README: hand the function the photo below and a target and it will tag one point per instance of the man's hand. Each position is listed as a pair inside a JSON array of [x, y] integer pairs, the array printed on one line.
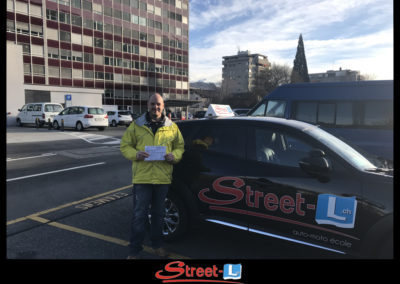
[[169, 157], [141, 155]]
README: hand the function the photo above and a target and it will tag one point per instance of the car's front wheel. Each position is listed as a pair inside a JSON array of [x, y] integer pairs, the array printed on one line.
[[55, 125], [176, 219]]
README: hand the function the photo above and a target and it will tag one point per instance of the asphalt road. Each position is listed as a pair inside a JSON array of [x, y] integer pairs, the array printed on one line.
[[69, 197]]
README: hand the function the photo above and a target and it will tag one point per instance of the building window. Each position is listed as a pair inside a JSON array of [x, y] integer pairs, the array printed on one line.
[[27, 69], [76, 3], [10, 26], [88, 57], [117, 46], [87, 40], [142, 21], [87, 5], [98, 42], [64, 17], [117, 14], [64, 2], [88, 23], [98, 59], [66, 54], [23, 28], [52, 34], [76, 38], [108, 61], [76, 20], [108, 28], [97, 9], [66, 73], [88, 74], [21, 7], [54, 71], [117, 30], [37, 50], [99, 75], [52, 52], [98, 26], [51, 15], [77, 56], [77, 73], [38, 69], [108, 11], [36, 11], [108, 44], [65, 36]]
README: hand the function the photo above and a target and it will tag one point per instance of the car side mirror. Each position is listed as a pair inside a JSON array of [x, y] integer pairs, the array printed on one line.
[[19, 109], [316, 165]]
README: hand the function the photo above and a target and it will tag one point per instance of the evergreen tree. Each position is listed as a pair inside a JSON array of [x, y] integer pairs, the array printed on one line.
[[300, 70]]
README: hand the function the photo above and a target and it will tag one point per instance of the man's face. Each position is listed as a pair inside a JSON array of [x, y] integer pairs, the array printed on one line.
[[155, 106]]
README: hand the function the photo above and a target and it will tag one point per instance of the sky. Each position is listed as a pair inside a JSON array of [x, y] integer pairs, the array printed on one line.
[[348, 34]]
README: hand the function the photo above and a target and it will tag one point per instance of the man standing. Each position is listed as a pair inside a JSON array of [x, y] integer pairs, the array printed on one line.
[[150, 178]]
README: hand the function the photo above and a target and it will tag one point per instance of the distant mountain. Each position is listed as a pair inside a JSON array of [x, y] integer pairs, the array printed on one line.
[[203, 86]]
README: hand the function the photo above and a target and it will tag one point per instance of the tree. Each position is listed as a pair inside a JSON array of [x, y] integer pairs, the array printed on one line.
[[268, 79], [300, 70]]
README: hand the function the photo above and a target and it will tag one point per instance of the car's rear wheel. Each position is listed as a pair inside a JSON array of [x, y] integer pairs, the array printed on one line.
[[79, 126], [114, 123], [19, 123]]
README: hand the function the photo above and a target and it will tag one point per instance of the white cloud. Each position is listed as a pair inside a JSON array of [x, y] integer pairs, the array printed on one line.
[[333, 31]]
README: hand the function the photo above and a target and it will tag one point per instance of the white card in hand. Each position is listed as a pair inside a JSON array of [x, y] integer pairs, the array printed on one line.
[[157, 153]]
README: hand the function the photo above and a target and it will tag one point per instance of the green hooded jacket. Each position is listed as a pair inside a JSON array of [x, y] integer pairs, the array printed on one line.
[[137, 136]]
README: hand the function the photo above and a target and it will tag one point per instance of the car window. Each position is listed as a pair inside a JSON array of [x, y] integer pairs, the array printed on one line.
[[260, 111], [52, 108], [111, 112], [124, 113], [37, 108], [23, 108], [276, 108], [65, 111], [73, 110], [228, 140], [30, 108], [95, 110], [277, 147]]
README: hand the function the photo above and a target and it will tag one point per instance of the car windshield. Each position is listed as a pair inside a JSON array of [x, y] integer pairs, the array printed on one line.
[[124, 113], [341, 148], [95, 110]]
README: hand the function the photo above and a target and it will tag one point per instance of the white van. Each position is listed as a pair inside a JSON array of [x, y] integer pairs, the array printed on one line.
[[42, 111]]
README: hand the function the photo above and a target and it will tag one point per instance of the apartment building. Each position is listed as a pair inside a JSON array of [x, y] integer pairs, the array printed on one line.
[[335, 76], [239, 72], [107, 52]]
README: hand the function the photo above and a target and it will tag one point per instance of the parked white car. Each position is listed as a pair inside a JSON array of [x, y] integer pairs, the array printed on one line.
[[81, 117], [42, 111], [120, 117]]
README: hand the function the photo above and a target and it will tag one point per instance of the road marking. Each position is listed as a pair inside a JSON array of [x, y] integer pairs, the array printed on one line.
[[36, 217], [93, 137], [67, 205], [32, 157], [53, 172]]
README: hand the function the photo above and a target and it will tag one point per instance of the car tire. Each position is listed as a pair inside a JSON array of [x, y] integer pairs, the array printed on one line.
[[79, 126], [176, 219], [55, 125], [19, 123], [114, 123]]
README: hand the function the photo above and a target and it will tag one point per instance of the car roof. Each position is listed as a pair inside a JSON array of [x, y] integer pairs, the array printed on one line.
[[272, 120]]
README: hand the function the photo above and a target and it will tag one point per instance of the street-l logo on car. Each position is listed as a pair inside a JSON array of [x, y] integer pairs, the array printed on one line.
[[331, 209], [336, 210]]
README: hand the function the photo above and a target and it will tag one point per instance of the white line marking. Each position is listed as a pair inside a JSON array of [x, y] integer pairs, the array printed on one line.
[[52, 172], [32, 157]]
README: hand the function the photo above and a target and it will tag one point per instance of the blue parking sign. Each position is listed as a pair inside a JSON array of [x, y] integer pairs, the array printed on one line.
[[68, 97]]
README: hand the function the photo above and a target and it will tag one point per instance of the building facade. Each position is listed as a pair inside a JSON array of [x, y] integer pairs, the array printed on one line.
[[240, 71], [123, 50], [335, 76]]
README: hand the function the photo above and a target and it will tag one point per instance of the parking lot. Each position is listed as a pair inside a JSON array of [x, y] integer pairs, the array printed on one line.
[[69, 197]]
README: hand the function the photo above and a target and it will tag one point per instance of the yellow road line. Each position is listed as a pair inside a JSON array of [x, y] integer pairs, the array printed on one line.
[[66, 205], [96, 235]]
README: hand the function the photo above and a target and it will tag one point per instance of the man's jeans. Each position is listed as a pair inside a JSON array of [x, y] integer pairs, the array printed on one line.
[[143, 196]]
